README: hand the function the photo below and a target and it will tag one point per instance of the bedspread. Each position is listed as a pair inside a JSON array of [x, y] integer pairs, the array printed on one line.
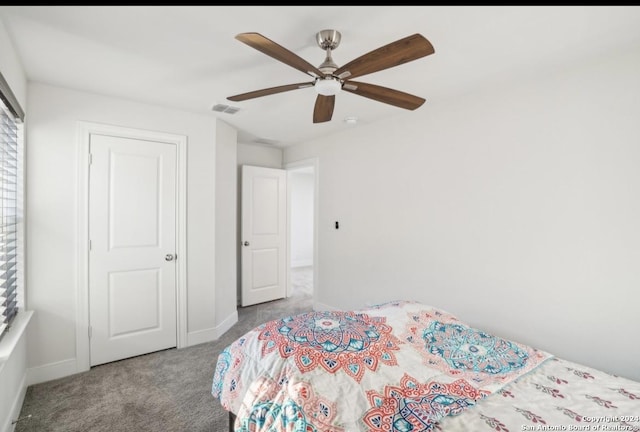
[[560, 395], [399, 366]]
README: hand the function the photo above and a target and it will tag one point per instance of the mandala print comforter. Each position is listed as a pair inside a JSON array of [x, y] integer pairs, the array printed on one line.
[[406, 366]]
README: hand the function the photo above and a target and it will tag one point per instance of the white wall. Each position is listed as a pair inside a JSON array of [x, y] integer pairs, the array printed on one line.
[[52, 204], [259, 155], [13, 357], [515, 208], [11, 67], [226, 219], [302, 185]]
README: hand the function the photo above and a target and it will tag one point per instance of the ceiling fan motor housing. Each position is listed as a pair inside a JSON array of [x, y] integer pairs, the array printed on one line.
[[328, 39]]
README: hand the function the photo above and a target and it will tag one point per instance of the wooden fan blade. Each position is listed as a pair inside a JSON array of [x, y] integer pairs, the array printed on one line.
[[269, 91], [384, 94], [323, 110], [394, 54], [272, 49]]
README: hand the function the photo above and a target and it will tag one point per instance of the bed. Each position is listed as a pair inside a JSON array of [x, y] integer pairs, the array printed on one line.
[[406, 366]]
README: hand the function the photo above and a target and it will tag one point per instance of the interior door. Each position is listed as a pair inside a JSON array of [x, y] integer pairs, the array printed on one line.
[[263, 237], [132, 231]]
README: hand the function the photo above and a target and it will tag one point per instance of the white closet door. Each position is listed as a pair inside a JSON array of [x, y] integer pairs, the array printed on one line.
[[132, 229]]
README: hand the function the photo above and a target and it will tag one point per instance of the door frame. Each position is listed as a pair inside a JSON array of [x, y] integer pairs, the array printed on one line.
[[291, 166], [84, 132]]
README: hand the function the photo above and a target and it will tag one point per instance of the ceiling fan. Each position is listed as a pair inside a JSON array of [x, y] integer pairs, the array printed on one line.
[[329, 79]]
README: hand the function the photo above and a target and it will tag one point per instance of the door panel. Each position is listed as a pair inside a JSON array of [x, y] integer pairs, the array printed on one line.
[[132, 227], [265, 268], [265, 205], [134, 302], [263, 234], [133, 218]]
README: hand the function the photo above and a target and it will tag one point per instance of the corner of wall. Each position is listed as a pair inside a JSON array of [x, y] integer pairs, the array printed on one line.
[[212, 334]]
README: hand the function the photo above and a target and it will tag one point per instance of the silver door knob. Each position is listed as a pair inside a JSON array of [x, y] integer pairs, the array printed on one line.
[[169, 257], [246, 243]]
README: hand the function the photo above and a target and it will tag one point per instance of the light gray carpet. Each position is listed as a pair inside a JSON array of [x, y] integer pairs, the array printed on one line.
[[166, 391], [302, 280]]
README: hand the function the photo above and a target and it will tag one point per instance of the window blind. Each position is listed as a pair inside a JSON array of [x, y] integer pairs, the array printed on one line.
[[9, 173]]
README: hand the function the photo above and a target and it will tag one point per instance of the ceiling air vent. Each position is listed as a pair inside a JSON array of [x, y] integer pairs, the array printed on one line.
[[228, 109]]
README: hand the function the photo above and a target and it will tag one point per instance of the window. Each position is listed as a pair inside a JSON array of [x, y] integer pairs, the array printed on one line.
[[10, 204]]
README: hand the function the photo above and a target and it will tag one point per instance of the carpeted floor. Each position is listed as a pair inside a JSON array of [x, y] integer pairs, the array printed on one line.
[[166, 391], [302, 280]]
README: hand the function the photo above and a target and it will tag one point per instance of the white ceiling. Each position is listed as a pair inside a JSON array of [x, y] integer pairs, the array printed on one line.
[[186, 57]]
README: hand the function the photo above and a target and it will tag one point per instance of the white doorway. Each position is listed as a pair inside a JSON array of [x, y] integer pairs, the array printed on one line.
[[302, 211], [132, 251]]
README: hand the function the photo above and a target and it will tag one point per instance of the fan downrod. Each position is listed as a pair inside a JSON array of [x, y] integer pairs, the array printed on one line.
[[328, 40]]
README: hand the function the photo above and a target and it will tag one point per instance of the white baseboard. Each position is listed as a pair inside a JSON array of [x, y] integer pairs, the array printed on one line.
[[227, 323], [16, 407], [201, 336], [51, 371], [211, 334], [302, 263]]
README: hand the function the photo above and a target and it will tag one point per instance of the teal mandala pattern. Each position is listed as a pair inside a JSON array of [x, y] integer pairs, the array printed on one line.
[[222, 367], [271, 416], [465, 348], [226, 378], [283, 405]]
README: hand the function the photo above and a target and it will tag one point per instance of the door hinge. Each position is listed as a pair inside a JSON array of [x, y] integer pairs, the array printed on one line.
[[89, 244], [90, 158], [90, 331]]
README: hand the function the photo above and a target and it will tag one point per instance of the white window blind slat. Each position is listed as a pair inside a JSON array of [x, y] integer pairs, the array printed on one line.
[[9, 187]]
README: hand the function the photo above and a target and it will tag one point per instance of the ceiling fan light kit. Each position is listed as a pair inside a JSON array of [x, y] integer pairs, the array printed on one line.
[[329, 78], [328, 86]]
